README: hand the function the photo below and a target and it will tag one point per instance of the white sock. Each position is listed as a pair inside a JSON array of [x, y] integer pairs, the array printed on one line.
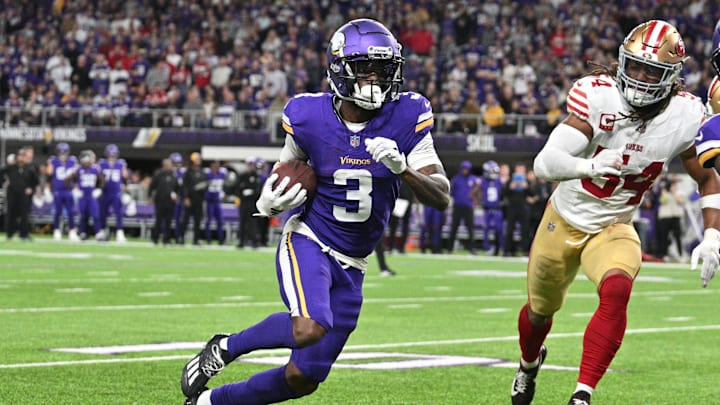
[[528, 365], [223, 343], [584, 387], [204, 398]]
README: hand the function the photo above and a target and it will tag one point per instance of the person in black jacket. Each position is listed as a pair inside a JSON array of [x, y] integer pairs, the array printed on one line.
[[21, 182], [195, 183], [247, 189], [163, 193]]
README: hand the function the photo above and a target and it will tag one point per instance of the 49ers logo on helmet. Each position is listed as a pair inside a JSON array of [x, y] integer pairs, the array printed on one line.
[[680, 47]]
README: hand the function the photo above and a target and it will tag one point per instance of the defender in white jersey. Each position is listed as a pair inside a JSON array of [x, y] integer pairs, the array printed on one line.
[[625, 123]]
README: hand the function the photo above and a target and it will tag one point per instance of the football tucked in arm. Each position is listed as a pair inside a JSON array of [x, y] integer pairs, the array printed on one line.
[[299, 172]]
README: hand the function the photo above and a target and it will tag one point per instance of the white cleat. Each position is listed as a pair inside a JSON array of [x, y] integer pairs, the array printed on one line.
[[100, 236], [57, 234], [73, 235], [120, 236]]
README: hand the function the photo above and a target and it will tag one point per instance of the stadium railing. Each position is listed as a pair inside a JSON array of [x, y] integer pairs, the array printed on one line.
[[245, 120]]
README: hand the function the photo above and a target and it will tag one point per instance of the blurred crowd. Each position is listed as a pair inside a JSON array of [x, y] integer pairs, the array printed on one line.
[[494, 59]]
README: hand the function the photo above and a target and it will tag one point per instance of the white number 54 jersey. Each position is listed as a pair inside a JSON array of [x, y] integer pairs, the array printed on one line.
[[593, 204]]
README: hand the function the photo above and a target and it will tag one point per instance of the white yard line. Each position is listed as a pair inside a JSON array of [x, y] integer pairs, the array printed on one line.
[[409, 300], [358, 347]]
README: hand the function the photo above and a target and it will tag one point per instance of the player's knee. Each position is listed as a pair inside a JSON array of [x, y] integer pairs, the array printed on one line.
[[307, 332], [298, 382], [538, 319]]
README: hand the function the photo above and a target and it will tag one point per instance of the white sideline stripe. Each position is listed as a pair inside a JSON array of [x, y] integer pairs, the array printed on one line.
[[96, 361], [154, 279], [199, 345], [366, 301]]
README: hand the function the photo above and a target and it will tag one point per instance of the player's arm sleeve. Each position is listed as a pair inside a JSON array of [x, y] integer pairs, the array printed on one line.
[[291, 150], [558, 159], [423, 154]]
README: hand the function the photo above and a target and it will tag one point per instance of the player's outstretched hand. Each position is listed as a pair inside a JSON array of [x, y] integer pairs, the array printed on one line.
[[607, 162], [386, 151], [708, 251], [273, 202]]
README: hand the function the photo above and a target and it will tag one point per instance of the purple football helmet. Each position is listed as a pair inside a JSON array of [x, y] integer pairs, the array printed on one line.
[[176, 158], [491, 169], [715, 59], [62, 148], [112, 151], [357, 50]]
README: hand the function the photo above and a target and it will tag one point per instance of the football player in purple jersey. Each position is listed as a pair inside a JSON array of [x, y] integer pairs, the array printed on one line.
[[116, 174], [361, 139], [59, 167], [89, 180], [491, 190], [464, 188]]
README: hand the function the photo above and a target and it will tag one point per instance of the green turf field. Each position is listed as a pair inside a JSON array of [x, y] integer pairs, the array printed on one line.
[[439, 310]]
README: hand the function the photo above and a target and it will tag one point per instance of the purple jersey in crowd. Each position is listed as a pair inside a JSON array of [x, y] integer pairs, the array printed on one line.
[[491, 193], [113, 172], [355, 194], [61, 170], [461, 188]]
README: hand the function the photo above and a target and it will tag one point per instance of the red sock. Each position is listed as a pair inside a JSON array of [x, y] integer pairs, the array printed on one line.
[[606, 329], [531, 336]]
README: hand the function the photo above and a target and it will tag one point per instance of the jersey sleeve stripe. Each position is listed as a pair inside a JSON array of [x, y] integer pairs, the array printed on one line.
[[579, 92], [572, 107], [419, 127], [296, 278], [288, 128], [425, 116], [707, 157]]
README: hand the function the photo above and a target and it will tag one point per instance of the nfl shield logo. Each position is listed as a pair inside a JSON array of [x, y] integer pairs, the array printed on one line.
[[551, 226], [354, 141]]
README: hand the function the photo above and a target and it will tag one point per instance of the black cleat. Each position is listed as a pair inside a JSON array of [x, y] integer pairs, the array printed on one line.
[[209, 362], [193, 400], [580, 398], [523, 387]]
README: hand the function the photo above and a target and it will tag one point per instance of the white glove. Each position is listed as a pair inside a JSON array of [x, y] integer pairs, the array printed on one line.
[[386, 151], [608, 161], [96, 193], [708, 251], [273, 202]]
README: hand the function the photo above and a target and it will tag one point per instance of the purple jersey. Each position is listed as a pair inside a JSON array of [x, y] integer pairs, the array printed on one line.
[[355, 195], [707, 142], [491, 193], [113, 173], [179, 174], [215, 184], [87, 178], [461, 188], [61, 170]]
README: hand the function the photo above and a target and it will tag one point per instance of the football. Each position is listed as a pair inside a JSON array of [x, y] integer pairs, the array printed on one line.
[[299, 172]]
